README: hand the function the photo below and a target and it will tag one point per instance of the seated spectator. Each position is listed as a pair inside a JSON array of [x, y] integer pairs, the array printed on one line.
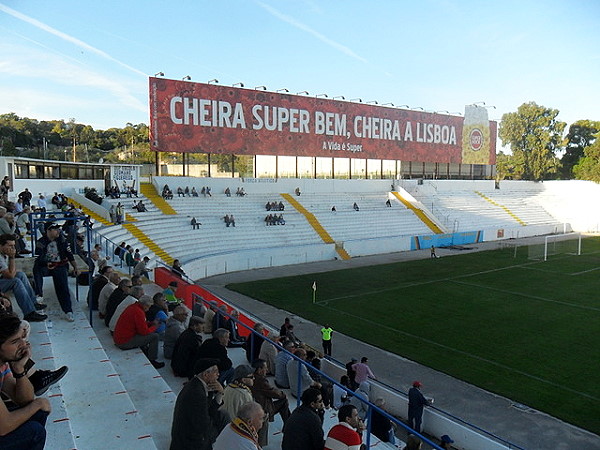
[[355, 206], [243, 432], [141, 268], [194, 192], [195, 224], [268, 353], [196, 419], [208, 191], [273, 400], [175, 326], [23, 427], [381, 426], [228, 192], [137, 257], [347, 434], [180, 192], [169, 292], [203, 191], [254, 342], [113, 280], [186, 349], [360, 397], [305, 381], [220, 318], [187, 191], [341, 396], [216, 348], [445, 442], [16, 281], [231, 324], [297, 191], [304, 428], [280, 220], [177, 269], [208, 317], [292, 337], [232, 220], [388, 203], [284, 328], [132, 331], [238, 393], [158, 312], [136, 293], [413, 443], [98, 283], [115, 299], [268, 206]]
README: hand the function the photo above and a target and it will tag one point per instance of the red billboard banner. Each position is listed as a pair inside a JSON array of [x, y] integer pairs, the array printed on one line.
[[208, 118]]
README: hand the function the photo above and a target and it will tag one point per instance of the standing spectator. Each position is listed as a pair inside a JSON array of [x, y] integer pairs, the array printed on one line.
[[360, 399], [416, 403], [186, 349], [23, 427], [243, 432], [112, 212], [347, 434], [133, 331], [41, 203], [433, 255], [120, 213], [175, 326], [196, 420], [363, 371], [304, 428], [284, 328], [381, 426], [351, 373], [53, 258], [270, 398], [326, 333]]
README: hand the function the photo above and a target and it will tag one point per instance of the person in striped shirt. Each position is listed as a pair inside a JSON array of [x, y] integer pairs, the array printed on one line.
[[347, 434]]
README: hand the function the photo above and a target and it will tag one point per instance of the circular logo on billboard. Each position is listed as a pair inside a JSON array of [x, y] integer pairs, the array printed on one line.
[[476, 139]]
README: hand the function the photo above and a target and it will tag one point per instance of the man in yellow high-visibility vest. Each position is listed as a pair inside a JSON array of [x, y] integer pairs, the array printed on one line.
[[326, 332]]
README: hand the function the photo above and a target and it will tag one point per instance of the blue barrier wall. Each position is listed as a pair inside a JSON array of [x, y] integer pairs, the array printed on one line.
[[445, 240]]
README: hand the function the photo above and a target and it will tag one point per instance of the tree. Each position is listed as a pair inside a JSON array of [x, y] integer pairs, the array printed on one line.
[[509, 167], [533, 134], [580, 135], [588, 167]]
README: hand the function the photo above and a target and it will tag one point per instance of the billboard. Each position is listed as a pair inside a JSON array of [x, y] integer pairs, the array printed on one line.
[[208, 118]]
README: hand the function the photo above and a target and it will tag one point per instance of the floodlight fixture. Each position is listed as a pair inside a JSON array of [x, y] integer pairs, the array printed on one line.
[[214, 80], [478, 104], [321, 95], [359, 100], [159, 74], [302, 93], [374, 102], [264, 88], [418, 107], [282, 90], [388, 104], [340, 97], [403, 106], [187, 78], [237, 84]]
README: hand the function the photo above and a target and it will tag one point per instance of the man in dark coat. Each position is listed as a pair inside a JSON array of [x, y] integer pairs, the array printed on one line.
[[416, 403], [216, 348], [304, 428], [187, 349], [196, 418], [115, 299]]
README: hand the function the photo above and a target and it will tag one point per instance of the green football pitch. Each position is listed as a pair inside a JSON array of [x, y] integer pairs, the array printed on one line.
[[526, 329]]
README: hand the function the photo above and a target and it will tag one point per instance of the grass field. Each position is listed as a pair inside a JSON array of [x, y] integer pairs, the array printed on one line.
[[527, 330]]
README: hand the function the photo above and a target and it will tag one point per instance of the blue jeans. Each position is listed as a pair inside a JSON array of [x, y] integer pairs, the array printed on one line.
[[22, 290], [60, 276], [29, 436]]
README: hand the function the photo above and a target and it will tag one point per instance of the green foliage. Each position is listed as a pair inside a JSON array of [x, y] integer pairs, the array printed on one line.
[[516, 327], [509, 167], [29, 136], [534, 136], [581, 135], [588, 167]]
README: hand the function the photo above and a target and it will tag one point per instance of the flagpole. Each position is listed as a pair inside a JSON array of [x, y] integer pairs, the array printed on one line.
[[314, 288]]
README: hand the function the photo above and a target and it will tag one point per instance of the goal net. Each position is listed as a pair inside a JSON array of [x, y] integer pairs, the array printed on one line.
[[556, 244]]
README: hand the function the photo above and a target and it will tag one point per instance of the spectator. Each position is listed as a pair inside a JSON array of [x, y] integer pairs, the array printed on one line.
[[132, 331], [268, 353], [304, 428], [169, 291], [120, 213], [114, 300], [25, 196], [136, 256], [355, 207], [362, 371], [196, 420], [388, 203], [180, 192], [381, 426], [284, 328], [254, 342], [98, 284], [232, 220], [41, 203], [158, 312], [175, 326], [187, 191], [243, 432], [113, 280], [195, 224], [194, 192], [216, 348], [299, 377], [270, 398], [208, 317], [53, 257], [413, 443], [136, 293], [347, 434], [433, 255], [341, 396], [227, 192], [445, 442], [360, 397], [281, 376], [297, 191], [129, 261], [141, 268], [17, 282], [292, 336], [238, 393], [416, 403], [177, 269], [186, 349], [231, 324], [24, 427]]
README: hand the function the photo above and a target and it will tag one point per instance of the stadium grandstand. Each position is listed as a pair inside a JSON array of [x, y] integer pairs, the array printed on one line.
[[406, 181]]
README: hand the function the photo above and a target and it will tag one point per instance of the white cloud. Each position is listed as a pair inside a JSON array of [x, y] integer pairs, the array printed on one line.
[[42, 26], [290, 20]]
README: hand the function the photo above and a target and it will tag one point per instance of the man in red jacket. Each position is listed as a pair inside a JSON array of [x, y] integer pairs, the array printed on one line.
[[133, 331], [346, 435]]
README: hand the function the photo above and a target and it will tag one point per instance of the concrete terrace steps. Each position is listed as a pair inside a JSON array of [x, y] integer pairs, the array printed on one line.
[[149, 191], [97, 405]]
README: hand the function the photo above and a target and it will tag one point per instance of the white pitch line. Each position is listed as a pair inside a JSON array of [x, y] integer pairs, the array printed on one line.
[[462, 352]]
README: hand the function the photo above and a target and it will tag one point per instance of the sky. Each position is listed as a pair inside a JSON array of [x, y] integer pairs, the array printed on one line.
[[91, 60]]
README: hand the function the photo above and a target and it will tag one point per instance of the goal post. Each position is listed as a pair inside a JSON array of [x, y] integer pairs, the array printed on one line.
[[556, 244]]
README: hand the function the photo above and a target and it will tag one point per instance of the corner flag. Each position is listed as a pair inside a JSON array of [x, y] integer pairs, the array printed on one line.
[[314, 288]]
